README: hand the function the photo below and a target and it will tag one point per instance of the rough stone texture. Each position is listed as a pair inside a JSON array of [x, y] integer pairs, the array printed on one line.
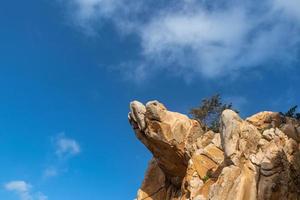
[[256, 158]]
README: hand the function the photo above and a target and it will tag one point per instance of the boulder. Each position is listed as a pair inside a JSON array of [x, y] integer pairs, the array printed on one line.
[[257, 158]]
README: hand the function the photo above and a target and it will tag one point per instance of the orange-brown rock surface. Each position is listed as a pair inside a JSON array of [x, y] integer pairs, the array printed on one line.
[[256, 158]]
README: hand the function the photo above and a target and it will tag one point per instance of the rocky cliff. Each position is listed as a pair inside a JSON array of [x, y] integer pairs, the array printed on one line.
[[255, 158]]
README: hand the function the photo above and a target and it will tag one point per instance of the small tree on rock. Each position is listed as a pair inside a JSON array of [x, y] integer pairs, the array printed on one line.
[[292, 112], [209, 112]]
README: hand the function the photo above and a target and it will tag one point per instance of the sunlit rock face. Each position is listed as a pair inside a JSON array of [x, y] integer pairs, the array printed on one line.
[[255, 158]]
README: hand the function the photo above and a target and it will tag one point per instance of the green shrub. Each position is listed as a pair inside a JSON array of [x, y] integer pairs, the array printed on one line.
[[209, 112], [292, 112]]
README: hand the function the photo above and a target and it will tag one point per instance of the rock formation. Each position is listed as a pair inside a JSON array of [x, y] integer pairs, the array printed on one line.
[[255, 158]]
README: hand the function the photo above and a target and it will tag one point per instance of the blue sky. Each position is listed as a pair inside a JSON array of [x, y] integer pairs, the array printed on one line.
[[69, 69]]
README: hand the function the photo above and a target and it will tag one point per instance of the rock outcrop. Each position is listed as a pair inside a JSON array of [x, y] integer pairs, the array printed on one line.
[[255, 158]]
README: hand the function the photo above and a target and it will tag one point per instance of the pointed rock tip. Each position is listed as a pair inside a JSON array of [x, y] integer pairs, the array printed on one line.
[[136, 103], [155, 110], [137, 113], [230, 114], [157, 104]]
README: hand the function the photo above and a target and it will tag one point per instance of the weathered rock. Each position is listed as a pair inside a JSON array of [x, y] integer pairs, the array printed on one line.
[[153, 186], [168, 135], [265, 120], [239, 138], [291, 131], [256, 158]]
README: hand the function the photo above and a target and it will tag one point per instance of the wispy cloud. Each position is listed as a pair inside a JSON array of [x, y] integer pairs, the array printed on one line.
[[23, 190], [66, 146], [209, 38], [50, 172]]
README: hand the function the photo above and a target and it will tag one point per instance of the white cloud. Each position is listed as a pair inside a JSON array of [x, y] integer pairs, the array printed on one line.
[[67, 146], [196, 42], [211, 38], [18, 186], [23, 190]]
